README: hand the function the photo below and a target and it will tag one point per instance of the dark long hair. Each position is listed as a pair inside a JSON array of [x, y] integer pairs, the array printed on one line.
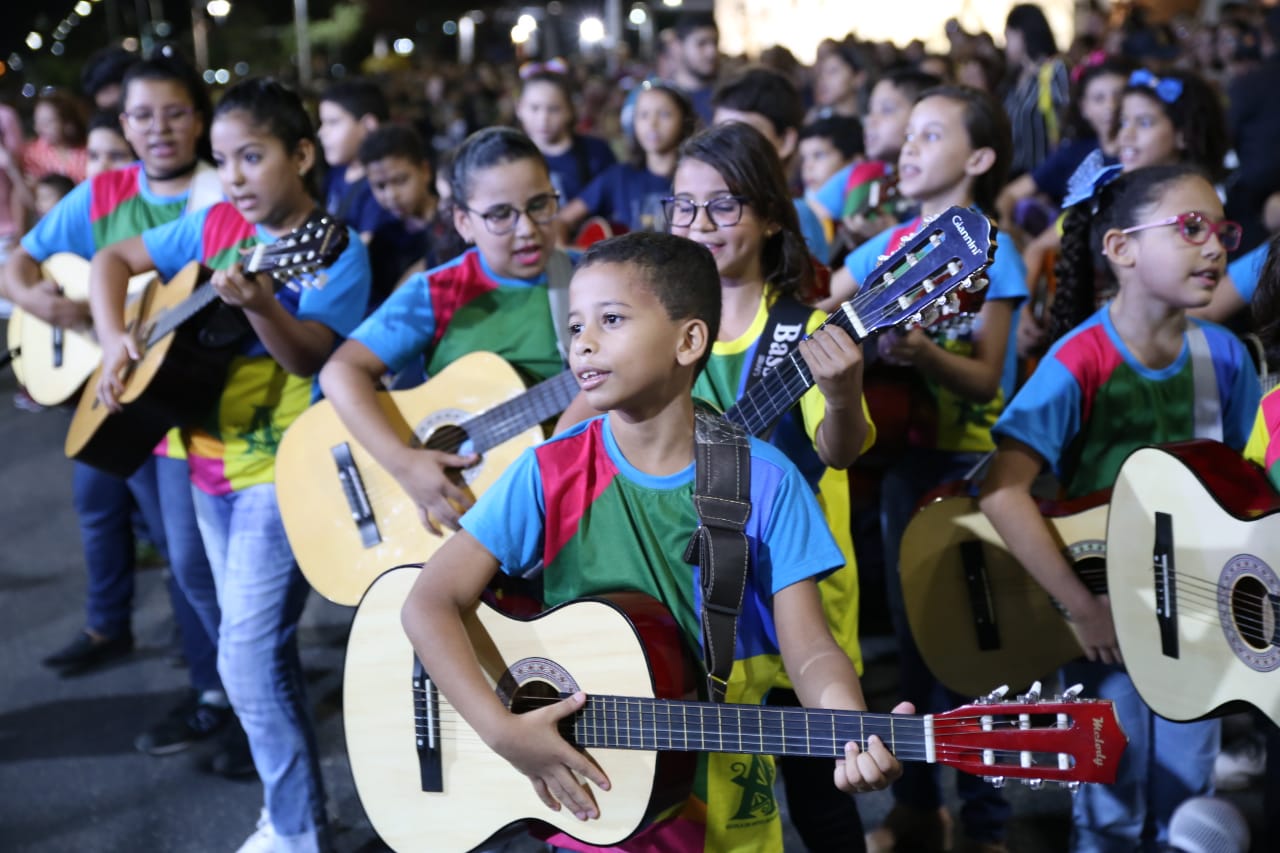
[[1197, 114], [278, 110], [1081, 273], [1075, 126], [1266, 303], [1029, 20], [751, 169]]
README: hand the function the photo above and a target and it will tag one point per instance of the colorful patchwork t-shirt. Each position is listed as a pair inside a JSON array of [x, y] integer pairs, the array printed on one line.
[[462, 307], [1264, 441], [236, 447], [574, 507], [112, 206], [963, 425], [1090, 402], [723, 383]]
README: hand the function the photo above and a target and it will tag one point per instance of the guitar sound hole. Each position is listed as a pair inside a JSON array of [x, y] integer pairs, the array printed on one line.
[[447, 438], [1093, 573], [1251, 613], [534, 694]]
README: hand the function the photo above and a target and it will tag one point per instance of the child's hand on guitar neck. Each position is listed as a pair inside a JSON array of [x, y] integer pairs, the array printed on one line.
[[250, 292], [903, 348], [1096, 631], [431, 479], [871, 769], [532, 743], [835, 362], [119, 352]]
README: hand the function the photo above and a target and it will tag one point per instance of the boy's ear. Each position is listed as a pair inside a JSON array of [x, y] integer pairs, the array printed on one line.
[[980, 162], [693, 342], [1117, 248], [369, 122], [787, 144]]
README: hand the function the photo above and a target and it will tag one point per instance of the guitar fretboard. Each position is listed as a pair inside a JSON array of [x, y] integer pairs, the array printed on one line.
[[623, 722], [506, 420]]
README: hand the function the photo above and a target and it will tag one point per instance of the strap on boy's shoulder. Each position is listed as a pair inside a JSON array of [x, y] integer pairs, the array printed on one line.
[[559, 271], [783, 331], [722, 498], [1207, 402]]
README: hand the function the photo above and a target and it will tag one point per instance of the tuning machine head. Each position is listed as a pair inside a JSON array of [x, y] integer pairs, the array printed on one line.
[[1032, 696], [995, 781], [994, 697], [975, 283]]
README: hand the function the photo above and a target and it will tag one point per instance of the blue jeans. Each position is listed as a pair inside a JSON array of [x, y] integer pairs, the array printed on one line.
[[104, 505], [1164, 764], [262, 593], [984, 812]]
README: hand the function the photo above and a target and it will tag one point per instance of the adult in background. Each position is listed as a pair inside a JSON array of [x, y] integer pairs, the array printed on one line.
[[697, 60], [1039, 88]]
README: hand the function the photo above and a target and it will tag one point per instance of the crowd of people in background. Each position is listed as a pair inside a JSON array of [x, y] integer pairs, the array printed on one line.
[[461, 184]]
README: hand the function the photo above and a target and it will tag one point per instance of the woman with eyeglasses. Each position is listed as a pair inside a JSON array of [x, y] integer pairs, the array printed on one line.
[[1135, 372], [493, 297], [164, 116]]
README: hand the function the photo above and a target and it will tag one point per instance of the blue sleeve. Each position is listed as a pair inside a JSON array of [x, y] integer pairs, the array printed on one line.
[[1052, 175], [1247, 269], [599, 193], [599, 155], [815, 236], [341, 302], [367, 215], [1008, 272], [175, 244], [1045, 413], [796, 539], [66, 228], [1238, 384], [831, 194], [403, 325], [863, 260], [509, 518]]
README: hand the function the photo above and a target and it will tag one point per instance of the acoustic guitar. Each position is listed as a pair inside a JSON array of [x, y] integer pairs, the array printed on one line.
[[347, 518], [977, 616], [1193, 544], [53, 363], [188, 338], [428, 782]]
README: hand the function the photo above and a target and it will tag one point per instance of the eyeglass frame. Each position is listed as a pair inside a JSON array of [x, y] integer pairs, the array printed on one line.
[[486, 215], [172, 116], [1214, 228], [670, 201]]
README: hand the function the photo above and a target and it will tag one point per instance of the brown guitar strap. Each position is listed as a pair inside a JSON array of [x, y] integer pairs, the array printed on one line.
[[722, 497]]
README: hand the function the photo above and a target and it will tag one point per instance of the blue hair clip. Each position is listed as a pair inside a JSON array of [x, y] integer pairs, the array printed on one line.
[[1167, 89], [1088, 179]]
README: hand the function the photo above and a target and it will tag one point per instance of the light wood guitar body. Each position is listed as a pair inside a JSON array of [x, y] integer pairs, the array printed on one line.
[[1194, 546], [346, 517], [977, 616]]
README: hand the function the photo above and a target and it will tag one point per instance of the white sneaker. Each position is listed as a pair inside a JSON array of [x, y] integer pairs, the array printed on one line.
[[263, 839], [1238, 769]]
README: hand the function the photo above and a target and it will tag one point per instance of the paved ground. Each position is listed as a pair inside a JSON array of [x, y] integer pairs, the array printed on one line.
[[69, 776]]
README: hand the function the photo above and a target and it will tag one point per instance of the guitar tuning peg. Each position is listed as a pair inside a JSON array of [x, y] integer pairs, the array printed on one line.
[[995, 781], [1071, 786], [1072, 693], [1034, 784], [994, 696], [1032, 695]]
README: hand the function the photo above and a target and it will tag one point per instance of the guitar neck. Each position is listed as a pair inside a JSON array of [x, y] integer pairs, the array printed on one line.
[[784, 384], [200, 298], [506, 420], [623, 722]]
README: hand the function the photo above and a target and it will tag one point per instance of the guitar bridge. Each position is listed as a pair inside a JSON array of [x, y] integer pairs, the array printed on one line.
[[981, 605], [1166, 585], [356, 494], [426, 718]]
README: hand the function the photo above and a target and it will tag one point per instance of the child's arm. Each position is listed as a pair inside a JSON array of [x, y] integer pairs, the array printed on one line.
[[842, 289], [1006, 500], [824, 677], [350, 381], [975, 377], [449, 587], [109, 275], [836, 364]]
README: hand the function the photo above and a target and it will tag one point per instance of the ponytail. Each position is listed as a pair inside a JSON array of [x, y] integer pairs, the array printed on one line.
[[1076, 295]]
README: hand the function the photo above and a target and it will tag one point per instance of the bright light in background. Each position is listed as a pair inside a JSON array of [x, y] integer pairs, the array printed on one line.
[[673, 3], [222, 76], [638, 16], [218, 8], [527, 22], [83, 9], [519, 35], [450, 28], [591, 31], [402, 47], [34, 41]]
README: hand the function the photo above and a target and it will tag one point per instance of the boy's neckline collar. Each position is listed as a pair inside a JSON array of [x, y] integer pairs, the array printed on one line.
[[634, 474]]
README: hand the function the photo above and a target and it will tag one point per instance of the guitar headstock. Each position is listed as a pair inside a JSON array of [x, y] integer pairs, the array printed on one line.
[[294, 259], [1065, 740], [923, 280]]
